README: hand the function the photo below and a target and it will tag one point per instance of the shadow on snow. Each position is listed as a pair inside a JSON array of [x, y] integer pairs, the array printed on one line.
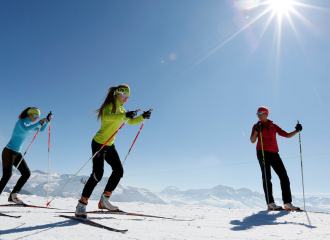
[[263, 218], [43, 228]]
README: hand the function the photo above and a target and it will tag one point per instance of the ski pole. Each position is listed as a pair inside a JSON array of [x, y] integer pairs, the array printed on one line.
[[22, 157], [263, 157], [90, 160], [48, 160], [136, 138], [302, 172]]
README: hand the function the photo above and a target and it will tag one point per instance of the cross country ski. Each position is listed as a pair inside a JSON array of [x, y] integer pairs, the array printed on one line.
[[6, 215], [89, 222], [120, 212], [24, 205]]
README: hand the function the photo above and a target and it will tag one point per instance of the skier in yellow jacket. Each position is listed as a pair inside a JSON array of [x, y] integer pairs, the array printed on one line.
[[112, 114]]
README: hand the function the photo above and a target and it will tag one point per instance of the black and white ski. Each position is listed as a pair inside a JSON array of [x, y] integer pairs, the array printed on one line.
[[308, 211], [298, 211], [89, 222], [6, 215], [120, 212], [24, 205]]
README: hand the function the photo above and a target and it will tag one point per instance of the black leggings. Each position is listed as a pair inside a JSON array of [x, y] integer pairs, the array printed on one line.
[[110, 155], [274, 160], [10, 159]]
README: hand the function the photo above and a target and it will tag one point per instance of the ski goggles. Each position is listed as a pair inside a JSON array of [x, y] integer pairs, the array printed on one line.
[[124, 94], [262, 112]]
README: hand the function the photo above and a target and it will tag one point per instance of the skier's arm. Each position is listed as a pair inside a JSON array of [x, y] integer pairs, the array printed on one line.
[[43, 127], [26, 128], [291, 134], [136, 120], [254, 136], [107, 116]]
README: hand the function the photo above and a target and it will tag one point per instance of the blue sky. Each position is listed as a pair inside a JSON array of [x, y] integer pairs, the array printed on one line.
[[62, 56]]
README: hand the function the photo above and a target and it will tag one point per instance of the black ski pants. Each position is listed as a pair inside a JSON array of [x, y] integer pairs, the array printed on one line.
[[274, 160], [11, 158], [110, 155]]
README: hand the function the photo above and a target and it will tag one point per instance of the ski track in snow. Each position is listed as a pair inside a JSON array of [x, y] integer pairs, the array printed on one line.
[[208, 223]]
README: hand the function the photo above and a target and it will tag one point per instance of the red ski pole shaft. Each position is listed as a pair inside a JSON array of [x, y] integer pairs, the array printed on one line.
[[135, 139], [22, 157], [90, 160]]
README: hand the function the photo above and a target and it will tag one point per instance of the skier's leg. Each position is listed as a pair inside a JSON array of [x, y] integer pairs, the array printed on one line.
[[25, 173], [8, 157], [268, 174], [98, 169], [280, 170], [113, 159]]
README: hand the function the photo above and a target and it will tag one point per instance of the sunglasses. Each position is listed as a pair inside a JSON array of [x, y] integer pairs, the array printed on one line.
[[124, 94], [36, 115], [262, 112]]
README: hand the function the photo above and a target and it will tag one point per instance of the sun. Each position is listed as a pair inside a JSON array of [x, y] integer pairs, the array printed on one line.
[[281, 5]]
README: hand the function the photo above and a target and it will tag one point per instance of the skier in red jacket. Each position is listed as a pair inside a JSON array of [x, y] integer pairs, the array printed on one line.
[[272, 158]]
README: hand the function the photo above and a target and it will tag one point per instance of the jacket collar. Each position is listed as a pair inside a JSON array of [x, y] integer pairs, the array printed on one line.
[[27, 120], [268, 120], [118, 103]]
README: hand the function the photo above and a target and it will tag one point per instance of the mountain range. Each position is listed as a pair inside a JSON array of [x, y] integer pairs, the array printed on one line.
[[219, 196]]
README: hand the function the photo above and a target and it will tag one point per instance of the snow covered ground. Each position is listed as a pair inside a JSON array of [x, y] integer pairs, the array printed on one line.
[[209, 222]]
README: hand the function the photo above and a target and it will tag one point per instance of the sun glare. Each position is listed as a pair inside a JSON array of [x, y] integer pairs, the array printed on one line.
[[281, 5]]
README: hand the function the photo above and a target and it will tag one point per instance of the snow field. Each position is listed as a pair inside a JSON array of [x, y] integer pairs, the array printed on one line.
[[208, 223]]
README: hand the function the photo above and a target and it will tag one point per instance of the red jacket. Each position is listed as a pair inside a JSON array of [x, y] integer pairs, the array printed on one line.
[[269, 136]]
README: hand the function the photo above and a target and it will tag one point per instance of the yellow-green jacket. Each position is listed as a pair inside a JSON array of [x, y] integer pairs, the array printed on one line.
[[111, 122]]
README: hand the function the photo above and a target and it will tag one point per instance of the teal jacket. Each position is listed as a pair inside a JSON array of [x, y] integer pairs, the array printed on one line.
[[22, 129]]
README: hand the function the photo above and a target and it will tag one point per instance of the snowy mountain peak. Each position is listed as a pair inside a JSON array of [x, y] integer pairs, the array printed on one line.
[[170, 189]]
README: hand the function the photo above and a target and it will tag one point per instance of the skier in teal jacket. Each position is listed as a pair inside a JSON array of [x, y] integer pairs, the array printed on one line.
[[11, 155]]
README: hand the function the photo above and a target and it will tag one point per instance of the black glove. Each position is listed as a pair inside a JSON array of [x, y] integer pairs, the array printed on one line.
[[131, 114], [146, 114], [259, 128], [298, 127], [43, 121], [49, 116]]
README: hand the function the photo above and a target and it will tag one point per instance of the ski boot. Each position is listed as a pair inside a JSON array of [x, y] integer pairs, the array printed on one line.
[[274, 207], [290, 207], [81, 208], [105, 204], [13, 198]]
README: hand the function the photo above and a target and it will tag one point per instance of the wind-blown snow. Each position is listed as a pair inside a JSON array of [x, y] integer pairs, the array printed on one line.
[[208, 223]]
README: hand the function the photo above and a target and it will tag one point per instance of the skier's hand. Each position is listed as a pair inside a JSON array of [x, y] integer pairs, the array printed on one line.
[[298, 127], [147, 114], [259, 128], [49, 116], [131, 114], [43, 121]]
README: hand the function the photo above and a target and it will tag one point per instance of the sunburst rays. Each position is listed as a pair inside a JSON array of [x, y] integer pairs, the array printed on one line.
[[279, 9]]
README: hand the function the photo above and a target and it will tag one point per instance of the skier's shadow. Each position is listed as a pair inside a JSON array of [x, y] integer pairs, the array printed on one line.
[[262, 218], [39, 227]]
